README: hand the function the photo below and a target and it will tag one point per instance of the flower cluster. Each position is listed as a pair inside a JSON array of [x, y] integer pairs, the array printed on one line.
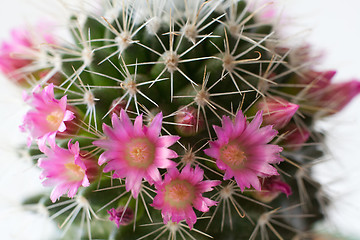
[[175, 110]]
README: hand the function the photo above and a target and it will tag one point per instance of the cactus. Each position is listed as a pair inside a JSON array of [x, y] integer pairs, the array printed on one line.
[[175, 120]]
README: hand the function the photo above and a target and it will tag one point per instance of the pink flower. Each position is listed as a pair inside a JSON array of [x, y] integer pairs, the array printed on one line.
[[135, 151], [277, 111], [243, 152], [119, 217], [271, 187], [47, 117], [15, 54], [65, 169], [180, 192]]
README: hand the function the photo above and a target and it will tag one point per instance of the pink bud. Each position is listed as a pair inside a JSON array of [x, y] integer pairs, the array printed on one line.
[[334, 97], [317, 80], [21, 50], [188, 122], [295, 137], [56, 79], [121, 216], [277, 111], [271, 188], [116, 106]]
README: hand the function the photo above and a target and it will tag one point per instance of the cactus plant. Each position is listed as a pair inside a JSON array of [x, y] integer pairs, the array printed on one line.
[[175, 120]]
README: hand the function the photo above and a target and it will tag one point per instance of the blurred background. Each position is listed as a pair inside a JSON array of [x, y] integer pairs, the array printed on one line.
[[331, 27]]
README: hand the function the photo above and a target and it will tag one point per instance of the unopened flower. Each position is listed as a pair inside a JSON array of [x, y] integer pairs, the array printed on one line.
[[116, 106], [277, 111], [135, 151], [334, 97], [243, 152], [271, 188], [294, 137], [180, 192], [14, 54], [121, 216], [317, 80], [188, 121], [66, 169], [47, 117]]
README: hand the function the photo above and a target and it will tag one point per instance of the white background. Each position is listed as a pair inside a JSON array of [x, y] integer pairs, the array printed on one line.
[[332, 26]]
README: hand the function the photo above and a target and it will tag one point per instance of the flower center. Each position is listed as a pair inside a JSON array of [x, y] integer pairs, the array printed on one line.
[[233, 155], [55, 118], [140, 153], [179, 193], [75, 172]]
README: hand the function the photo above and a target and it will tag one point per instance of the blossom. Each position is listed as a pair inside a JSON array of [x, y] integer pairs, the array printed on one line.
[[278, 111], [135, 151], [271, 187], [15, 54], [121, 216], [243, 152], [66, 169], [47, 117], [180, 192]]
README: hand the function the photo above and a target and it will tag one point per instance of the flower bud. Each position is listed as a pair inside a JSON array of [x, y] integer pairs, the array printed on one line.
[[295, 137], [188, 121], [277, 111], [121, 216], [21, 51], [332, 98], [116, 106], [271, 187]]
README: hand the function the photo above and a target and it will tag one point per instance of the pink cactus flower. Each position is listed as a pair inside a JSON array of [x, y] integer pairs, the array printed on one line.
[[277, 111], [66, 169], [135, 151], [15, 54], [47, 117], [243, 152], [119, 217], [180, 192], [271, 188]]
